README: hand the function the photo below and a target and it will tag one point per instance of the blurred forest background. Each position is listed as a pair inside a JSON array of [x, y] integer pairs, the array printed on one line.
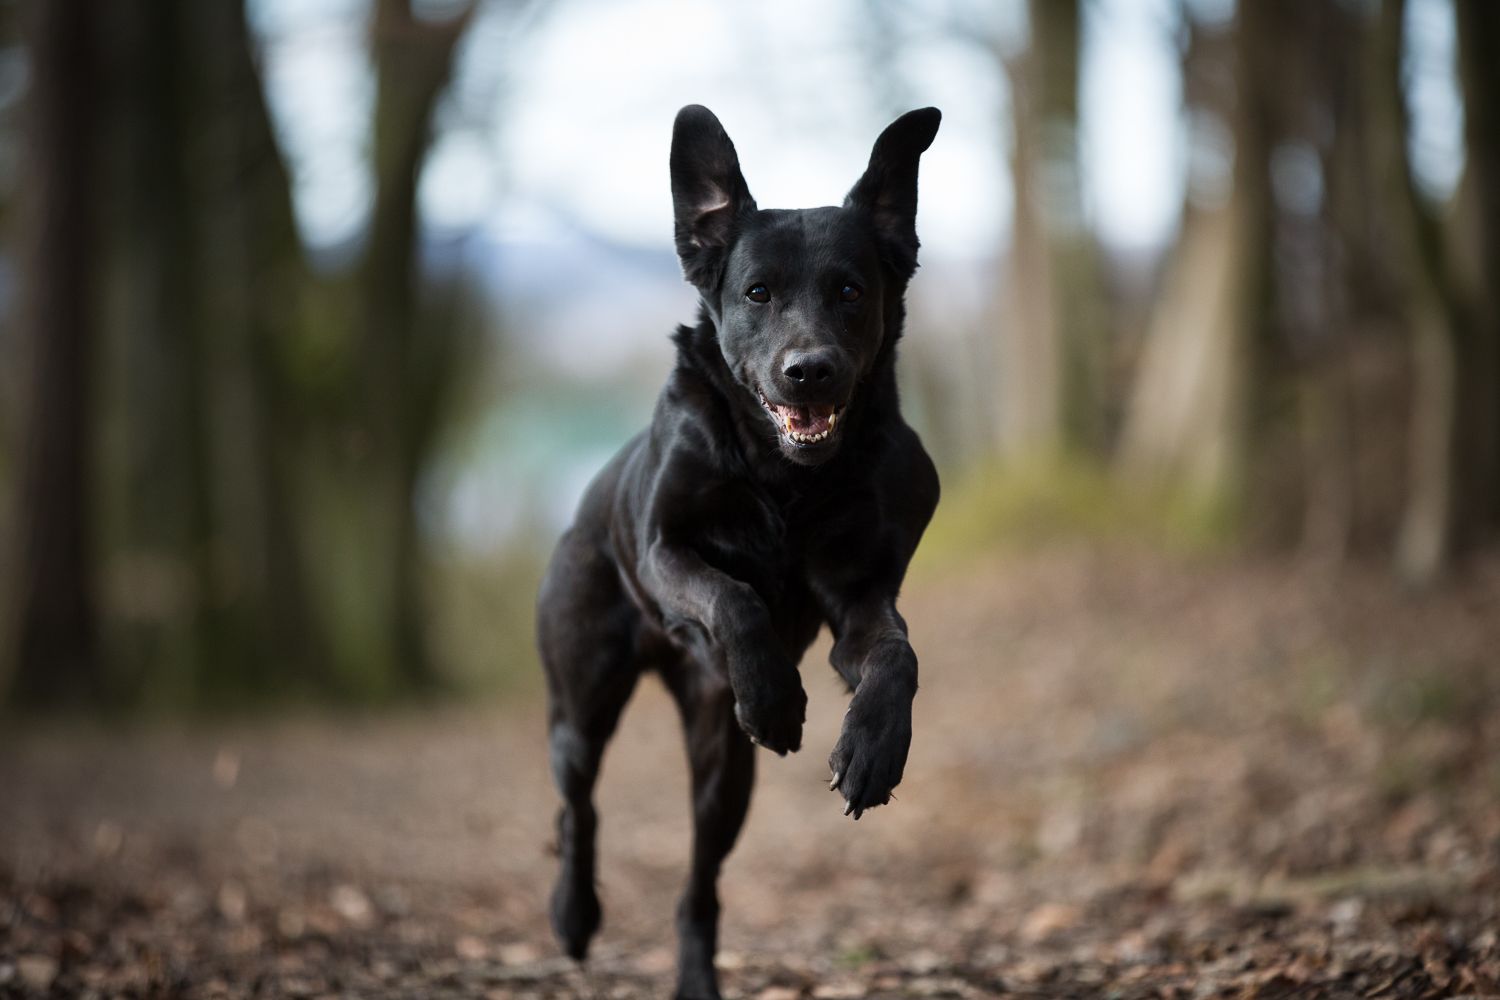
[[316, 315]]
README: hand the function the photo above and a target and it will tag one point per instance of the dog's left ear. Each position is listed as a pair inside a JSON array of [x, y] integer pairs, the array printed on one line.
[[709, 194], [888, 189]]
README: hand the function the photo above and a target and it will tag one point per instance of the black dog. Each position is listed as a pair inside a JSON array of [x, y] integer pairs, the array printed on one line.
[[776, 489]]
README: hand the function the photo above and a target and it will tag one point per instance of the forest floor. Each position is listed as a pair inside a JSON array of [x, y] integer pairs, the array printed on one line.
[[1132, 776]]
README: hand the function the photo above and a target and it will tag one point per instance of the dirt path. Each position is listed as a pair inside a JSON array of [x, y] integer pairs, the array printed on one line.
[[1131, 778]]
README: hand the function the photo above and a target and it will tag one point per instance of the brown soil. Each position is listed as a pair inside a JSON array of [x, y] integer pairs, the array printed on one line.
[[1131, 777]]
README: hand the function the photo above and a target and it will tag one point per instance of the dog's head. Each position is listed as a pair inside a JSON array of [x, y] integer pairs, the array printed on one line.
[[804, 300]]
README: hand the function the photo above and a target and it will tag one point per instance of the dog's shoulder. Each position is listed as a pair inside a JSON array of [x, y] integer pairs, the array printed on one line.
[[695, 422], [691, 420]]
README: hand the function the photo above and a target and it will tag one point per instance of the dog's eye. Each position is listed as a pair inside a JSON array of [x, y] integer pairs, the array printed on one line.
[[758, 293], [850, 293]]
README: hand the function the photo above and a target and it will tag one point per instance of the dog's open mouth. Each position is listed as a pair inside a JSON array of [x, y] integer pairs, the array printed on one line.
[[805, 425]]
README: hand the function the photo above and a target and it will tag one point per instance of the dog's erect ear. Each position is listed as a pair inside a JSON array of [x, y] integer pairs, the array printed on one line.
[[709, 195], [888, 190]]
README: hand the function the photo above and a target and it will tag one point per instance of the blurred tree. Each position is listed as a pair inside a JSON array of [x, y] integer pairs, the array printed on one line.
[[1478, 259], [258, 300], [264, 427], [1247, 388], [1431, 308], [13, 376], [1188, 422], [161, 552], [1336, 298], [404, 374], [1452, 305], [57, 656], [209, 600], [1055, 355]]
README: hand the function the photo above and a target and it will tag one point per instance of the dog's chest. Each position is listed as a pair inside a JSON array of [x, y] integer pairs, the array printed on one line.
[[765, 542]]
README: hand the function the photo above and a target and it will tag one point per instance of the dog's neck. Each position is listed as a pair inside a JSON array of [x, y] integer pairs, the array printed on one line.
[[744, 424]]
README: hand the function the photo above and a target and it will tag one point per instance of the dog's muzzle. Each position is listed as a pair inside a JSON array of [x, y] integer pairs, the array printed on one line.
[[805, 425]]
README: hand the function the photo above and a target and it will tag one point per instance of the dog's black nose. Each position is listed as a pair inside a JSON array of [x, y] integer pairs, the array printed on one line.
[[810, 367]]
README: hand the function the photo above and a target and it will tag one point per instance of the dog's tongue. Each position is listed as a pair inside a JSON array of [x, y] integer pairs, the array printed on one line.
[[805, 419]]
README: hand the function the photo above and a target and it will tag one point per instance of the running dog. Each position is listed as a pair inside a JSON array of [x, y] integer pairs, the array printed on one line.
[[776, 490]]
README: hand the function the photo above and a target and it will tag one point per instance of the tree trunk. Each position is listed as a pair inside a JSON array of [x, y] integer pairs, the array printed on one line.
[[1425, 539], [1054, 395], [1031, 390], [208, 600], [1479, 76], [413, 60], [1189, 420], [1317, 249], [257, 285], [164, 560], [57, 653]]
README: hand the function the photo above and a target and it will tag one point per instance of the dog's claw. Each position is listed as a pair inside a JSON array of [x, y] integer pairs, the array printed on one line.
[[848, 808], [837, 776], [764, 745]]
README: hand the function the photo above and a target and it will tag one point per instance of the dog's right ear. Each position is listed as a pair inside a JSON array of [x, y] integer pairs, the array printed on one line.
[[709, 195]]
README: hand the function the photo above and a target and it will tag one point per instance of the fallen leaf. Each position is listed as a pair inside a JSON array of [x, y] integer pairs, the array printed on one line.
[[37, 971], [350, 902], [1049, 919]]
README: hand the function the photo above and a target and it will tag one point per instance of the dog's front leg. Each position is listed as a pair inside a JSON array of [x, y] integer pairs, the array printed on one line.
[[769, 701], [873, 655]]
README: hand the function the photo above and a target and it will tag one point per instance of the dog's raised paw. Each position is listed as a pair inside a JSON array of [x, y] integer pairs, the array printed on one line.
[[777, 726], [870, 756]]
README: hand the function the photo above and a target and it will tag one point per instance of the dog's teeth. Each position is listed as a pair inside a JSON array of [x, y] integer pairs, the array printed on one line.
[[802, 438], [833, 418]]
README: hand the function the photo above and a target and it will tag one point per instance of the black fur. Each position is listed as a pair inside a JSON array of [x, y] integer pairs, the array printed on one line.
[[714, 546]]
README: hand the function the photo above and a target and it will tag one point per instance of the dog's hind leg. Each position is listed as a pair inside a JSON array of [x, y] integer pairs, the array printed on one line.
[[586, 633], [722, 761]]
